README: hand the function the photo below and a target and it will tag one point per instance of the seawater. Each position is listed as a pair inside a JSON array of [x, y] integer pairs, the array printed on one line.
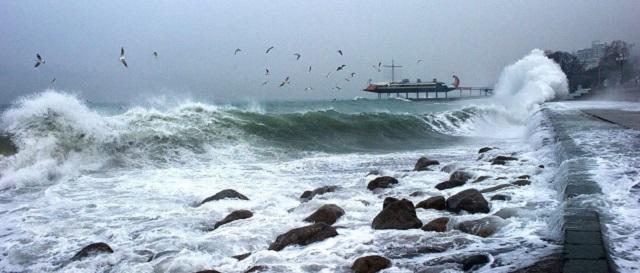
[[132, 175]]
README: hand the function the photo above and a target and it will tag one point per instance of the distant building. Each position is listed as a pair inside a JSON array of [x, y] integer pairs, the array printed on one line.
[[590, 57]]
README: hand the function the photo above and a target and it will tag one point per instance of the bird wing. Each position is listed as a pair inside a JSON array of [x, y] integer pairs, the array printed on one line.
[[125, 63], [38, 56], [37, 64], [121, 51]]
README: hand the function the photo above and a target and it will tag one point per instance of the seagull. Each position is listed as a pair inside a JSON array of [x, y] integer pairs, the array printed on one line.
[[347, 79], [309, 69], [341, 67], [308, 89], [122, 58], [39, 60], [54, 80], [265, 82], [266, 72], [268, 49], [338, 87], [353, 74], [237, 50], [340, 51], [155, 54], [328, 74], [419, 61], [297, 56], [379, 65], [286, 81]]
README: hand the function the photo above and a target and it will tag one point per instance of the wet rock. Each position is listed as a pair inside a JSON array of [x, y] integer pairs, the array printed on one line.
[[449, 168], [498, 162], [526, 176], [506, 213], [500, 197], [483, 227], [308, 195], [257, 268], [474, 262], [400, 214], [481, 178], [460, 175], [470, 200], [208, 271], [370, 264], [501, 178], [7, 147], [435, 202], [241, 256], [521, 182], [437, 225], [304, 236], [236, 215], [388, 201], [505, 158], [549, 264], [417, 194], [423, 164], [449, 184], [495, 188], [541, 166], [485, 149], [327, 214], [382, 182], [92, 249], [225, 194]]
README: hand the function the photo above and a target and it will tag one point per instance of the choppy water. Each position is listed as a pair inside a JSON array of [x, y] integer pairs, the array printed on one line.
[[131, 175]]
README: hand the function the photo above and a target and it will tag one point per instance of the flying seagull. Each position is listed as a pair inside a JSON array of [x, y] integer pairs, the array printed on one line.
[[340, 51], [341, 67], [268, 49], [353, 74], [39, 60], [328, 74], [297, 56], [155, 54], [347, 79], [286, 81], [419, 61], [338, 87], [309, 70], [237, 50], [265, 82], [122, 58], [266, 72], [54, 80]]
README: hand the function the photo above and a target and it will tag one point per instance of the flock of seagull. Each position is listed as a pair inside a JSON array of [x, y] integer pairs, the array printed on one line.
[[41, 61]]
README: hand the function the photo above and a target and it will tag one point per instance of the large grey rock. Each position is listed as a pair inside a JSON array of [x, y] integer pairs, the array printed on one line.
[[236, 215], [225, 194], [400, 214], [437, 225], [327, 214], [473, 262], [92, 249], [483, 227], [470, 200], [308, 195], [435, 202], [423, 164], [485, 149], [370, 264], [460, 175], [449, 184], [304, 236], [382, 182], [521, 182]]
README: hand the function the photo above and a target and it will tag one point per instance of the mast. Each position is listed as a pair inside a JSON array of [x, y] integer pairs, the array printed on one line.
[[393, 70]]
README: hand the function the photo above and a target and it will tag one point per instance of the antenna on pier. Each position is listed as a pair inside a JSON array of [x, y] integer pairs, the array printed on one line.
[[393, 70]]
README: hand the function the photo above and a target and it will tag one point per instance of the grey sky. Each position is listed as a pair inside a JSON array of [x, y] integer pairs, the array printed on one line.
[[80, 41]]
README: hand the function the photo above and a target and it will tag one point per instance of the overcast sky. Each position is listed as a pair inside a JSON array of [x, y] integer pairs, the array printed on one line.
[[81, 40]]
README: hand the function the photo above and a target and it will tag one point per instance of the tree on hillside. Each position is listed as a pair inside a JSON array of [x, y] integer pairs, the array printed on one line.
[[570, 65]]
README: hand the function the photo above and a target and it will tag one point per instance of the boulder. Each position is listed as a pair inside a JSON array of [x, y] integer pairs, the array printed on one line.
[[483, 227], [7, 147], [257, 268], [541, 166], [437, 225], [470, 200], [449, 184], [505, 158], [327, 214], [92, 249], [370, 264], [526, 176], [236, 215], [481, 178], [495, 188], [304, 236], [225, 194], [400, 214], [388, 201], [474, 262], [485, 149], [501, 178], [521, 182], [382, 182], [308, 195], [423, 164], [500, 197], [460, 175], [241, 256], [449, 168], [435, 202], [417, 193], [498, 162]]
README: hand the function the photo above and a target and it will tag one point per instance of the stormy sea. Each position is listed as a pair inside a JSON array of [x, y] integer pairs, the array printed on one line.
[[138, 177]]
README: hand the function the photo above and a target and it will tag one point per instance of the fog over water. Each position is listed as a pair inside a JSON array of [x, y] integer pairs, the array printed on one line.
[[80, 42]]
